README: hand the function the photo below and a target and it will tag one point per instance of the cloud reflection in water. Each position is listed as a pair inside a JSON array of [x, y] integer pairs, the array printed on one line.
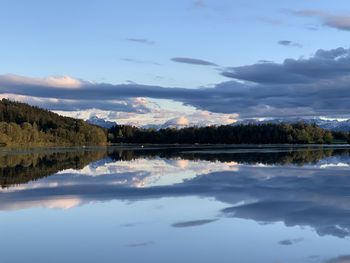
[[314, 193]]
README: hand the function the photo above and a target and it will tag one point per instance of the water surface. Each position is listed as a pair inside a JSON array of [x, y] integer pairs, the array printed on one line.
[[175, 204]]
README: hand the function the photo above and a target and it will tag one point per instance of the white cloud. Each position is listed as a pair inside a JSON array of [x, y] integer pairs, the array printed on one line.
[[53, 81], [54, 203], [180, 121], [160, 113]]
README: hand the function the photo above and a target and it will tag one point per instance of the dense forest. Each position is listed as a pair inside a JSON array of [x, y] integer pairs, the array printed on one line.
[[25, 125], [298, 133], [22, 124]]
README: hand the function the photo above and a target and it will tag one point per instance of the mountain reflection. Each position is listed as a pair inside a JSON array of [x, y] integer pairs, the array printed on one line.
[[300, 187]]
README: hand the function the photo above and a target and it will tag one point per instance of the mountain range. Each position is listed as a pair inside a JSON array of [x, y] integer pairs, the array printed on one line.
[[94, 120], [332, 125]]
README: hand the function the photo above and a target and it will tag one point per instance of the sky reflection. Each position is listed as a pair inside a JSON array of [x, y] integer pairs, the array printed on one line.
[[282, 197], [314, 193]]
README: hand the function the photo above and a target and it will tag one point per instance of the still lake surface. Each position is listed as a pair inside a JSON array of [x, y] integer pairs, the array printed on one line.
[[175, 204]]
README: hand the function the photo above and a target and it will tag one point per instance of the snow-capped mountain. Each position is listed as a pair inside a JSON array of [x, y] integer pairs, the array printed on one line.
[[178, 123], [333, 125], [101, 122]]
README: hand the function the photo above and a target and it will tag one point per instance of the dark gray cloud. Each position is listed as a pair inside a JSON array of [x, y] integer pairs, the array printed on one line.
[[318, 85], [124, 105], [325, 64], [289, 43], [141, 41], [341, 22], [193, 61], [121, 106], [193, 223]]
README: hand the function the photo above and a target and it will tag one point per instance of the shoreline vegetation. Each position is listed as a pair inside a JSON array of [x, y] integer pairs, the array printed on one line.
[[298, 133], [25, 125], [26, 166], [30, 126]]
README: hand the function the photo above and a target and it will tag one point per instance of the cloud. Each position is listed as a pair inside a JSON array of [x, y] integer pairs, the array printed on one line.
[[270, 21], [140, 244], [141, 112], [207, 118], [144, 41], [180, 121], [130, 105], [289, 43], [52, 82], [297, 196], [341, 22], [193, 61], [288, 242], [193, 223], [340, 259], [324, 64], [137, 61], [199, 3], [55, 203], [312, 27], [314, 86]]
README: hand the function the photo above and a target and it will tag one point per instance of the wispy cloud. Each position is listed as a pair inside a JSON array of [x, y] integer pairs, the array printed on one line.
[[193, 61], [193, 223], [140, 244], [289, 43], [340, 259], [138, 61], [270, 21], [341, 22], [289, 242], [141, 41], [199, 3]]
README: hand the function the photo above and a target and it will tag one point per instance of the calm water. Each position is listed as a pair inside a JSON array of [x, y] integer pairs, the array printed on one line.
[[189, 204]]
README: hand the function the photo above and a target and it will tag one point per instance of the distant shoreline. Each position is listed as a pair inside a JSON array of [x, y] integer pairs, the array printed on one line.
[[174, 145]]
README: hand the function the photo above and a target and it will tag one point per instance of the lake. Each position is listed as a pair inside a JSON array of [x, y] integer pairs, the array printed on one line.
[[175, 204]]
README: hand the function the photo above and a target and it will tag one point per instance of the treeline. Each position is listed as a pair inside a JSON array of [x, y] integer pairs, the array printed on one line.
[[22, 124], [16, 169], [25, 125], [299, 133], [242, 155]]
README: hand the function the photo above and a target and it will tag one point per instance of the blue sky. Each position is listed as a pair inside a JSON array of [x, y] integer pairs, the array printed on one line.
[[135, 42]]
